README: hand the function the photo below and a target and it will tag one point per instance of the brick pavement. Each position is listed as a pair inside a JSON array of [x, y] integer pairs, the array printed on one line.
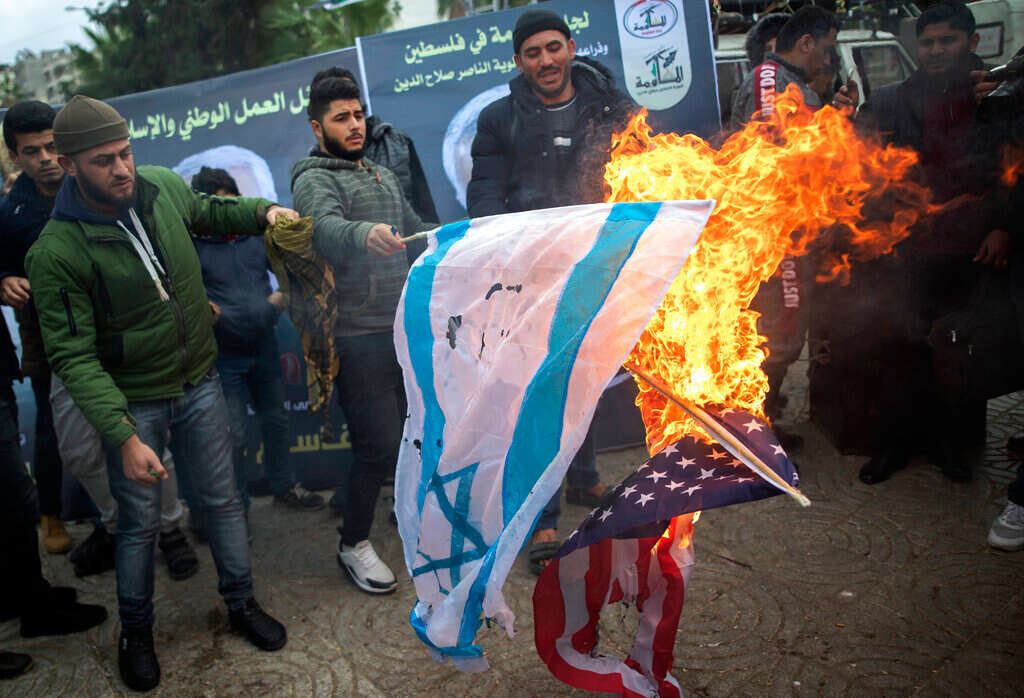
[[885, 590]]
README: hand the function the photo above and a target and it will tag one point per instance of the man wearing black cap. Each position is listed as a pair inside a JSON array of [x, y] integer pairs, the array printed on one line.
[[545, 145], [128, 330]]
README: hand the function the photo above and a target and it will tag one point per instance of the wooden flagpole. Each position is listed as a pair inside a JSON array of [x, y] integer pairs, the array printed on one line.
[[414, 236], [729, 442]]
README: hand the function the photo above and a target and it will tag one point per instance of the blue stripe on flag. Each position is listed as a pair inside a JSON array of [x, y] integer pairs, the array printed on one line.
[[420, 338], [421, 630], [538, 431]]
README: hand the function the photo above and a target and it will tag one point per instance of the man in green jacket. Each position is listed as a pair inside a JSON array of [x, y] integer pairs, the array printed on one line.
[[128, 330]]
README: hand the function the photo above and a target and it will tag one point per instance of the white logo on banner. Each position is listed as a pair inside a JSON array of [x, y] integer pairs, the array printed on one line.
[[655, 51]]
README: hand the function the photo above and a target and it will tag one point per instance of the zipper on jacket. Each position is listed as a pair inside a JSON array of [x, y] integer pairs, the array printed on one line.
[[108, 307], [72, 327], [179, 314]]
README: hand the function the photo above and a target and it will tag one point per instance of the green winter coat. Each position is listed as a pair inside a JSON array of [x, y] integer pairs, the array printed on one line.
[[109, 335]]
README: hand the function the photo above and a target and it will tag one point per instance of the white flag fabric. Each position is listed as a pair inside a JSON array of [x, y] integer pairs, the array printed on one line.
[[508, 330]]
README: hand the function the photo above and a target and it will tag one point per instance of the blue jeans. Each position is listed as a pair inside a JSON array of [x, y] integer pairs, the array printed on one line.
[[258, 379], [372, 395], [197, 424], [582, 475]]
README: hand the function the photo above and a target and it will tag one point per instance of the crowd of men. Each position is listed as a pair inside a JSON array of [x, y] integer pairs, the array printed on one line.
[[147, 315]]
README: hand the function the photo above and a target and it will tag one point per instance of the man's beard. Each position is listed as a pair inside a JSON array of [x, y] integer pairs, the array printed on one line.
[[92, 191], [336, 149], [552, 92], [957, 71]]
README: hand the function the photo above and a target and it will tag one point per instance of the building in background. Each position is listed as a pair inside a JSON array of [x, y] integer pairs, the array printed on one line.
[[45, 75]]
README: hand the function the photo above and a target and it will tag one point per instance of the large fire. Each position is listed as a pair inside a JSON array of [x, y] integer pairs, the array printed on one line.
[[794, 184]]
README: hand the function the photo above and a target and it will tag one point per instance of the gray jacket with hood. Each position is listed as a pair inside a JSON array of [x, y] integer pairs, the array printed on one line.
[[345, 200]]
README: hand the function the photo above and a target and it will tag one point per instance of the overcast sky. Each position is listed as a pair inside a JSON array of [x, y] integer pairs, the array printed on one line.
[[40, 25], [47, 24]]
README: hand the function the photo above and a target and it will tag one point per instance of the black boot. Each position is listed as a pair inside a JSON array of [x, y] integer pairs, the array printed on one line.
[[953, 461], [136, 659], [14, 664], [882, 465], [49, 618], [12, 609], [258, 627], [93, 555], [181, 558], [1015, 445]]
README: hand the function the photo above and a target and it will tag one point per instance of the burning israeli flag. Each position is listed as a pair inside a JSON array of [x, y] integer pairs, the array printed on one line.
[[508, 330]]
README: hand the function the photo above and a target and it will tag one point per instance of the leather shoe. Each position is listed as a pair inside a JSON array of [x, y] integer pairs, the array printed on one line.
[[60, 619], [258, 627], [1015, 444], [14, 664], [137, 661], [955, 467], [95, 554], [181, 558], [882, 466], [58, 596]]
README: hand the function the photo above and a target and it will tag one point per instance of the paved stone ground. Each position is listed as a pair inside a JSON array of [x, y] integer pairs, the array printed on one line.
[[885, 590]]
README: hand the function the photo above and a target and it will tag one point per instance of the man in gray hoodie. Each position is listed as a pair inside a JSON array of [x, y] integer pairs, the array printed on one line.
[[359, 213]]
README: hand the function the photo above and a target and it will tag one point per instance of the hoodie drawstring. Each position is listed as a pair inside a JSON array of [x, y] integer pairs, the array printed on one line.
[[144, 249]]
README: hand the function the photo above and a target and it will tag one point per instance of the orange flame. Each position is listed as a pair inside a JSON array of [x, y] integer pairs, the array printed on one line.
[[1013, 166], [798, 180]]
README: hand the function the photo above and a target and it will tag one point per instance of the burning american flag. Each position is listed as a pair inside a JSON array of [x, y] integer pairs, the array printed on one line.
[[511, 326]]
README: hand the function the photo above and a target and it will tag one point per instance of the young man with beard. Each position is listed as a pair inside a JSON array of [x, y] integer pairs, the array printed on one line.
[[28, 130], [935, 113], [390, 146], [545, 145], [128, 329], [359, 213]]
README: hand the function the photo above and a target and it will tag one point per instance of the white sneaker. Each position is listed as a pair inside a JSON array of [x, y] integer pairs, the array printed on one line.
[[1007, 532], [366, 569]]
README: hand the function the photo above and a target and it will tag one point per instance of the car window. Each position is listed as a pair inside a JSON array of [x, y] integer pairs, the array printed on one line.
[[730, 75], [880, 65]]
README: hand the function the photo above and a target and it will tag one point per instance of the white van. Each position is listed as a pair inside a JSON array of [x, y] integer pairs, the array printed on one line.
[[873, 58]]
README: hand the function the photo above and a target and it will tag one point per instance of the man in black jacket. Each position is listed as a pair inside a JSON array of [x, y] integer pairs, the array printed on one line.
[[24, 593], [248, 360], [546, 145], [23, 213], [934, 112]]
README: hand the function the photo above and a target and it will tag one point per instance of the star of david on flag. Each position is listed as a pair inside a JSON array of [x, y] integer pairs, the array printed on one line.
[[636, 546], [508, 330]]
